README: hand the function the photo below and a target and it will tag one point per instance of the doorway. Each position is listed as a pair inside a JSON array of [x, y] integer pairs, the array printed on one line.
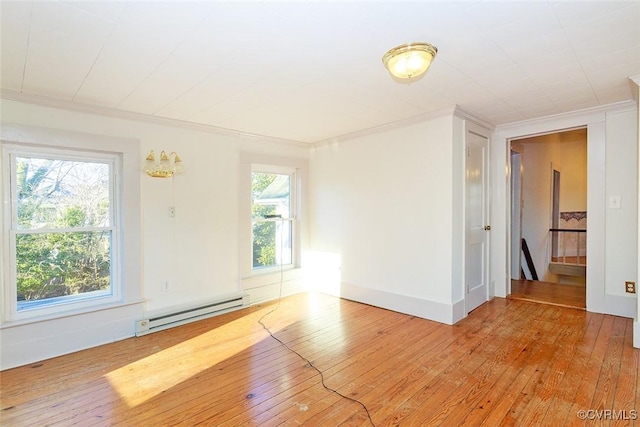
[[548, 217]]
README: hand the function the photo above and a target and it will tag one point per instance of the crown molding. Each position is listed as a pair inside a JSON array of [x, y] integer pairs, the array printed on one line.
[[45, 101], [448, 111], [634, 81], [385, 127], [594, 113], [475, 119]]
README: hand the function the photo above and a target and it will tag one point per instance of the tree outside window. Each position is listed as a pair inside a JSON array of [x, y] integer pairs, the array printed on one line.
[[272, 221], [63, 229]]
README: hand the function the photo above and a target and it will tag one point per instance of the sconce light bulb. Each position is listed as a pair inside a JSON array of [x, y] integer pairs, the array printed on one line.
[[165, 163], [178, 164]]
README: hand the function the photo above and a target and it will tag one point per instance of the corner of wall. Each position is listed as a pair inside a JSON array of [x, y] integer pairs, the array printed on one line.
[[458, 311]]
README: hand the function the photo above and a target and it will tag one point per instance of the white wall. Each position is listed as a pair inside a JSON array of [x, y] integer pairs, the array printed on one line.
[[611, 131], [383, 217], [197, 252]]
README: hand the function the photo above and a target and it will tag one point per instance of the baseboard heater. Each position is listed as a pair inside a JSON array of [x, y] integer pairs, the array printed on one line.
[[182, 315]]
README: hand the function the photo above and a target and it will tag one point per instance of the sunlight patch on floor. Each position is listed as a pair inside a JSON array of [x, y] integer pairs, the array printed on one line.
[[169, 367]]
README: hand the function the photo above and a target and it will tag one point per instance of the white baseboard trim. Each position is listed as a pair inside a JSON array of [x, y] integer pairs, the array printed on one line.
[[458, 311], [426, 309], [636, 334], [615, 305]]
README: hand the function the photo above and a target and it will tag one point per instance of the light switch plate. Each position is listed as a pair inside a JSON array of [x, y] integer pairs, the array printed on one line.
[[614, 202]]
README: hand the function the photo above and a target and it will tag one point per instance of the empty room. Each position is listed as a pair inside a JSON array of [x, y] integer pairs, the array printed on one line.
[[322, 213]]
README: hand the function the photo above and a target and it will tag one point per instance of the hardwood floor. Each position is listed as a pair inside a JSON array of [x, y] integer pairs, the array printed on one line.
[[572, 296], [511, 362]]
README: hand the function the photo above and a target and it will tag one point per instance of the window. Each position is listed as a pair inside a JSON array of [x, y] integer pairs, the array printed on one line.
[[63, 234], [272, 215]]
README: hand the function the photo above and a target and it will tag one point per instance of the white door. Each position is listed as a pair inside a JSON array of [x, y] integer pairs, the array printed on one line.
[[476, 226]]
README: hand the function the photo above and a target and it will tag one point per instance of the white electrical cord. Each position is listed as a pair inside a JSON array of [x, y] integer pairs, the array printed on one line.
[[260, 321]]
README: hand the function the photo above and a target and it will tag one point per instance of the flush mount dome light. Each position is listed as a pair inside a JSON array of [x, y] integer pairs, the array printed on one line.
[[410, 60]]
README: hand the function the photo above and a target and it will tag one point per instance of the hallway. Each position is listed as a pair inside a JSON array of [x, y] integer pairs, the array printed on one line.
[[572, 296]]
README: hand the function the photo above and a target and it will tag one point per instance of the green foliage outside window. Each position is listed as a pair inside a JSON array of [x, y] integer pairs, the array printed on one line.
[[56, 198], [58, 264], [264, 233]]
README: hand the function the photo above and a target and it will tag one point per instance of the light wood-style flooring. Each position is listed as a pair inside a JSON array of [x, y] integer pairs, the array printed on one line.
[[573, 296], [510, 362]]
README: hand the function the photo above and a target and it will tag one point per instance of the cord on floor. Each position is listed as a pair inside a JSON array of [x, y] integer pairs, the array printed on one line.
[[313, 366], [295, 352]]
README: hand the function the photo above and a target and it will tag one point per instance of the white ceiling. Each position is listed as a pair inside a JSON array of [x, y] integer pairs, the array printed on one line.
[[311, 70]]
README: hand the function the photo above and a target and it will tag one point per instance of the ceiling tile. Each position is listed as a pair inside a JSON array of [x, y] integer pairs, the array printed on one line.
[[180, 72], [14, 37], [492, 15], [108, 10], [63, 44], [122, 66], [611, 32], [560, 65], [572, 15]]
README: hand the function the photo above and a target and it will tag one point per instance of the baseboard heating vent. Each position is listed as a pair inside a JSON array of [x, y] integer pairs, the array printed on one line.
[[183, 315]]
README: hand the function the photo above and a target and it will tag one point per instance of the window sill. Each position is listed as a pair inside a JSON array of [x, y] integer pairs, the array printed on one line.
[[263, 278], [272, 270], [70, 313]]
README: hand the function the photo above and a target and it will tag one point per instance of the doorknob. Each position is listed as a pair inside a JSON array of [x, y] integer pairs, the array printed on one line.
[[487, 227]]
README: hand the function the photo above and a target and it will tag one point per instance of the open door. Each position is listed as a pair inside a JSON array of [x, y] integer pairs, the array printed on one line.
[[476, 213]]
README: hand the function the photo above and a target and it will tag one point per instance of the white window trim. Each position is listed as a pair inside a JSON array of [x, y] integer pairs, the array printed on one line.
[[126, 183], [293, 219], [12, 309]]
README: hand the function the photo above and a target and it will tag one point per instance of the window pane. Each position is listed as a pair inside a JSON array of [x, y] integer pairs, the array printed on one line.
[[61, 193], [271, 243], [53, 265], [270, 195], [270, 210]]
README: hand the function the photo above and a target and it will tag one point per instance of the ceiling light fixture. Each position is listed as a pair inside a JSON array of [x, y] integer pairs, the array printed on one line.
[[410, 60]]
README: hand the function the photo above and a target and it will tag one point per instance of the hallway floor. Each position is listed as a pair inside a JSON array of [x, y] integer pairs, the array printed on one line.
[[572, 296]]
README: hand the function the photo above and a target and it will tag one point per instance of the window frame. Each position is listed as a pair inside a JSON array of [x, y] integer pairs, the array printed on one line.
[[71, 303], [292, 219]]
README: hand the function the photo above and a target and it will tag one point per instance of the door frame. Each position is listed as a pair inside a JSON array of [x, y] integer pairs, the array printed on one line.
[[555, 209], [516, 211], [595, 120], [511, 142]]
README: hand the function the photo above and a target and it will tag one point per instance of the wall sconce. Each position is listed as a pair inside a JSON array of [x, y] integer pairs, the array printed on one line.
[[168, 165]]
